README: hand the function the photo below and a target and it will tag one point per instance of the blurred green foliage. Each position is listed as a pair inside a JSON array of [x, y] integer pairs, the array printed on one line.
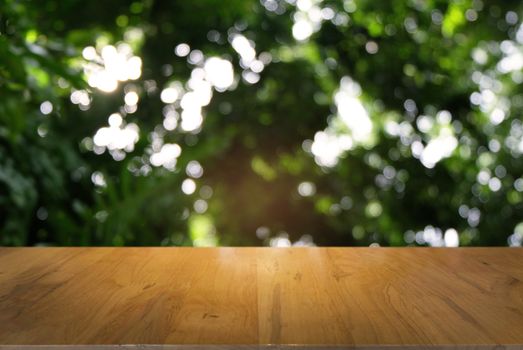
[[422, 66]]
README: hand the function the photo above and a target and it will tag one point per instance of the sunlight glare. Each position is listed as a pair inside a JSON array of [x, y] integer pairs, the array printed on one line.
[[112, 65]]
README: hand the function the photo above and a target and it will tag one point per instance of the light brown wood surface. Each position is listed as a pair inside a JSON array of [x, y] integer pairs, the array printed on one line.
[[197, 298]]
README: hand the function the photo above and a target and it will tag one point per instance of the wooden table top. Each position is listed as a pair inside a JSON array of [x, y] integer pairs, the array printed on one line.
[[368, 298]]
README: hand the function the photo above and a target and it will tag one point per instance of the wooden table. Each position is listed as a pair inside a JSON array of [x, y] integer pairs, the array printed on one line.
[[250, 298]]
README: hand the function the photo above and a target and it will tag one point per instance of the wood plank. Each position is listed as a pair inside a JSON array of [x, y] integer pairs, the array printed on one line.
[[247, 298]]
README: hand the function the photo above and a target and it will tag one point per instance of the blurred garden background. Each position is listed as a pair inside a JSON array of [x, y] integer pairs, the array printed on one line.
[[272, 122]]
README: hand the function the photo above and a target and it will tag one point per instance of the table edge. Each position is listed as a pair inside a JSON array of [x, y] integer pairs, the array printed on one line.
[[261, 347]]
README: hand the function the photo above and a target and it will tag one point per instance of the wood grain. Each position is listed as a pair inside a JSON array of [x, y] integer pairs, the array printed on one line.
[[247, 298]]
